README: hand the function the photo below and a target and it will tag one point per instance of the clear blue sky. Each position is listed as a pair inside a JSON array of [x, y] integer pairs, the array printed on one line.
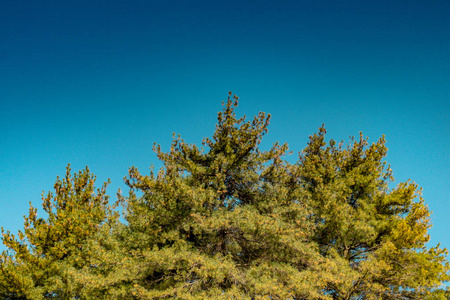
[[97, 82]]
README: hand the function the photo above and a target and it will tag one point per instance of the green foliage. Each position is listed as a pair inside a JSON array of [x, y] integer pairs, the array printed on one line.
[[229, 221], [40, 260], [377, 234]]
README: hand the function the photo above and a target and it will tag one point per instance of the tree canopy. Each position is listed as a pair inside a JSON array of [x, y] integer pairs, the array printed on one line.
[[228, 220]]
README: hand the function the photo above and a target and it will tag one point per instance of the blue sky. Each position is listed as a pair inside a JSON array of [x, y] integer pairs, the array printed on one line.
[[97, 82]]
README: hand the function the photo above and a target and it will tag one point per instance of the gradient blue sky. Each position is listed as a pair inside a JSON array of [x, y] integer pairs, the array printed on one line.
[[97, 82]]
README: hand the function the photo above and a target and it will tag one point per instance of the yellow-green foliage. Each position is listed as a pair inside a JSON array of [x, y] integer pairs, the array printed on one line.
[[39, 259], [229, 221]]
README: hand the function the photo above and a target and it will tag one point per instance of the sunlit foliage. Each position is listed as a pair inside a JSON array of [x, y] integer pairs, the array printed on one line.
[[227, 220]]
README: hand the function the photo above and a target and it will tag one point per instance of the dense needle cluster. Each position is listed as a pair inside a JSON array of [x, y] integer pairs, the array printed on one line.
[[229, 221]]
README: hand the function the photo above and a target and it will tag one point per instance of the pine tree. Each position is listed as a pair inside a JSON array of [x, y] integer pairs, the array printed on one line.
[[376, 235], [41, 259], [222, 221]]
